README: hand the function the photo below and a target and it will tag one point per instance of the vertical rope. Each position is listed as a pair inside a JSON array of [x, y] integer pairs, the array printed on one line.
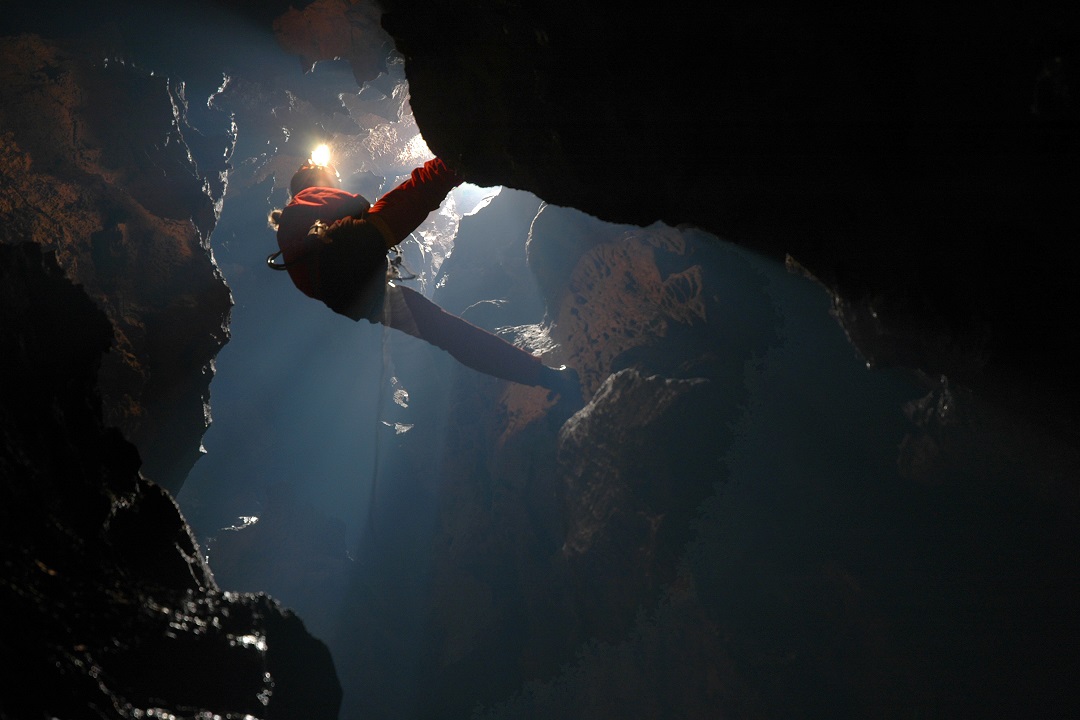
[[370, 532]]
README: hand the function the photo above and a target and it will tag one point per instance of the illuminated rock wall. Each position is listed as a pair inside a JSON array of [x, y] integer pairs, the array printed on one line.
[[100, 168]]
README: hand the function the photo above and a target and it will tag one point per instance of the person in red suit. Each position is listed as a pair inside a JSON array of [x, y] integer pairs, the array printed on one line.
[[334, 247]]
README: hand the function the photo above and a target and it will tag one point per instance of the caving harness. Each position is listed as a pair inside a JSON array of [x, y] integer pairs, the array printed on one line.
[[398, 270]]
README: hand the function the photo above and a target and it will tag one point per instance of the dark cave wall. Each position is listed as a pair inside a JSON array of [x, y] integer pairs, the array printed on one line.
[[100, 167], [112, 311], [920, 162], [108, 607]]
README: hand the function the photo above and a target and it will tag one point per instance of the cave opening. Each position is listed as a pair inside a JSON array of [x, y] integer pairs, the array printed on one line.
[[745, 517]]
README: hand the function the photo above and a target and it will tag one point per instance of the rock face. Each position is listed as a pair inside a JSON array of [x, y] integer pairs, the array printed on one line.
[[112, 311], [629, 491], [919, 164], [328, 29], [109, 610], [100, 168]]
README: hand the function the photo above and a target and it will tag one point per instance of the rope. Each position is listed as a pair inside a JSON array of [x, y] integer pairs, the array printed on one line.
[[370, 531]]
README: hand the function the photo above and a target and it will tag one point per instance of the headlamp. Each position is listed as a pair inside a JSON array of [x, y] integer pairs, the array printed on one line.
[[320, 155]]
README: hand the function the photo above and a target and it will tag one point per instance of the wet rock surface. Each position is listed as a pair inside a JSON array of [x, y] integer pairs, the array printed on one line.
[[109, 609]]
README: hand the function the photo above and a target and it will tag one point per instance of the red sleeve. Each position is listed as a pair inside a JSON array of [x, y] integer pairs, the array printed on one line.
[[405, 207]]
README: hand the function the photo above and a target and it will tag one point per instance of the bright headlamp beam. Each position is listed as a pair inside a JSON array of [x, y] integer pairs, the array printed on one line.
[[321, 155]]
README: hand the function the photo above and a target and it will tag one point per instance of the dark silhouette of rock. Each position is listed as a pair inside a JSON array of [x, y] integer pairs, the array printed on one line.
[[108, 606], [629, 488], [919, 163]]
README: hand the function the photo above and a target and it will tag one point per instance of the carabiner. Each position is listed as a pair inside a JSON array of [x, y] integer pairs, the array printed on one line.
[[273, 265]]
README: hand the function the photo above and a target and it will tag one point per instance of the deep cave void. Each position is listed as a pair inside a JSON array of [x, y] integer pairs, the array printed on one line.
[[290, 361]]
